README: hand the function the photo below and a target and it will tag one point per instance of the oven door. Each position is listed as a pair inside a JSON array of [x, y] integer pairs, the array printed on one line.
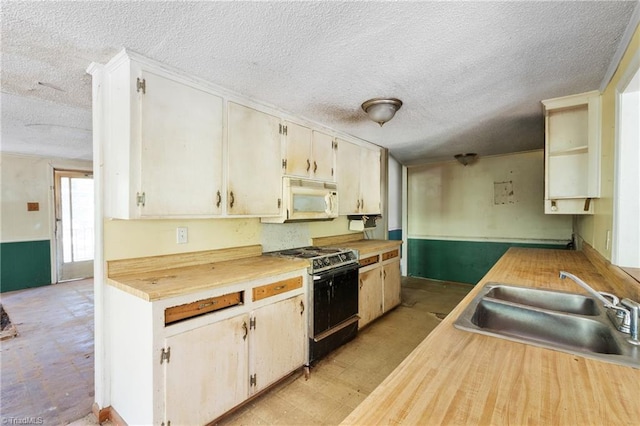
[[334, 318]]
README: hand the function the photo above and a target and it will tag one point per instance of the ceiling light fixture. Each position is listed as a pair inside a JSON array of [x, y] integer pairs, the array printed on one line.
[[381, 110], [465, 159]]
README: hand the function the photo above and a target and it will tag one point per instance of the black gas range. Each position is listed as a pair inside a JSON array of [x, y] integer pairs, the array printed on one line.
[[333, 293]]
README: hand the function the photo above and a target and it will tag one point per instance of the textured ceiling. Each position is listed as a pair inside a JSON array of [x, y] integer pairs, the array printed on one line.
[[471, 74]]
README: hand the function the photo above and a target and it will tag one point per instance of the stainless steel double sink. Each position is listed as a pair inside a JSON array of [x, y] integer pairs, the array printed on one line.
[[566, 322]]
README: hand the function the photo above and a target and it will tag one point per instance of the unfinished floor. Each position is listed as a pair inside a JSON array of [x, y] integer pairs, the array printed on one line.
[[47, 372]]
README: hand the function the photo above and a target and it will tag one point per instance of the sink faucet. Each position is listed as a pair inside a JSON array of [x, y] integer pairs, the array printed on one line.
[[628, 312], [597, 295]]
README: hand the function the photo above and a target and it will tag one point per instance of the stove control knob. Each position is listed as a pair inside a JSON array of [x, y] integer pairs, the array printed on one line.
[[317, 264], [343, 257], [326, 261]]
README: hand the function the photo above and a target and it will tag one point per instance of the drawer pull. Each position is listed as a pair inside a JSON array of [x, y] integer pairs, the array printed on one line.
[[204, 305], [280, 287]]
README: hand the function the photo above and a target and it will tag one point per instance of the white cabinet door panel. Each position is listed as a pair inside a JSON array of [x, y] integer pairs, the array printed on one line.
[[254, 162], [278, 341], [207, 372], [181, 158]]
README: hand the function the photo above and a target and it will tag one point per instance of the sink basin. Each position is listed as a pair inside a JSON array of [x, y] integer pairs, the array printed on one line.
[[561, 321], [546, 299], [545, 327]]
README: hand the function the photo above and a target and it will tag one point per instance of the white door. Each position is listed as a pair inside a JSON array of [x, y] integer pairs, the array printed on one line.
[[207, 372], [370, 296], [323, 163], [298, 150], [370, 181], [181, 131], [392, 279], [74, 224], [255, 162], [278, 341], [348, 156]]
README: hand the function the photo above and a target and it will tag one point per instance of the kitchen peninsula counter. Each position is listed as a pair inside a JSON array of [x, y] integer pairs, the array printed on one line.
[[160, 277], [458, 377]]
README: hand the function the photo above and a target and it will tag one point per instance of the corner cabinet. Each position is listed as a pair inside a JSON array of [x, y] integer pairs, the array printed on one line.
[[358, 179], [163, 153], [572, 153]]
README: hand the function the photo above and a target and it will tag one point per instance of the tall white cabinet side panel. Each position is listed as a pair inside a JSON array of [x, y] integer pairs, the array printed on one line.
[[181, 148], [323, 155], [254, 162], [348, 162], [207, 372], [119, 198], [278, 341]]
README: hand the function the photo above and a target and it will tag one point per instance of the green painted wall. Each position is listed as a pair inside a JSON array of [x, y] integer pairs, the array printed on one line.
[[24, 265], [395, 234], [458, 261]]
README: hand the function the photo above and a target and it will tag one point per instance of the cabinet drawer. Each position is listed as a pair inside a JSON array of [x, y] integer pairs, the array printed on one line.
[[390, 255], [279, 287], [369, 260], [204, 306]]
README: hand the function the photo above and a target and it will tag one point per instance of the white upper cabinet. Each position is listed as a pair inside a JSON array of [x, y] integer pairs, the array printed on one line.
[[358, 179], [181, 161], [323, 155], [254, 185], [572, 153], [166, 152], [163, 144], [308, 154]]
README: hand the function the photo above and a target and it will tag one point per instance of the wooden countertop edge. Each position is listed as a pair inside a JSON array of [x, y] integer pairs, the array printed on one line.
[[165, 283], [457, 377]]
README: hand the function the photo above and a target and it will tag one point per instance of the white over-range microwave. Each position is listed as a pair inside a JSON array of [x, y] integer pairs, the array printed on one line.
[[305, 200]]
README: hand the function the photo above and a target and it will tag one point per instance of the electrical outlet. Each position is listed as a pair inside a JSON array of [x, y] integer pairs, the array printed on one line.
[[182, 235]]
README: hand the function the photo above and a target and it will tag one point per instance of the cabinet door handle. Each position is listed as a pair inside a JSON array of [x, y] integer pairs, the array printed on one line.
[[384, 274], [308, 164], [219, 199], [246, 330], [360, 283], [301, 307], [315, 167], [233, 199], [358, 206]]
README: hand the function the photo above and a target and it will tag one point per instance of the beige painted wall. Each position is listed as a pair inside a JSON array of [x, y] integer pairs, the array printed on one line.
[[124, 239], [593, 229], [450, 201], [29, 179]]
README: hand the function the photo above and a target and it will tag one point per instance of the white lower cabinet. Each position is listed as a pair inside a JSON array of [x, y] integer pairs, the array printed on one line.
[[189, 359], [370, 296], [216, 367], [391, 278], [379, 285], [207, 372], [275, 344]]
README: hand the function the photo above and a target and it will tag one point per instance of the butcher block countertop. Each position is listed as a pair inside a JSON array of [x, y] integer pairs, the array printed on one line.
[[371, 246], [356, 241], [458, 377], [157, 283]]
